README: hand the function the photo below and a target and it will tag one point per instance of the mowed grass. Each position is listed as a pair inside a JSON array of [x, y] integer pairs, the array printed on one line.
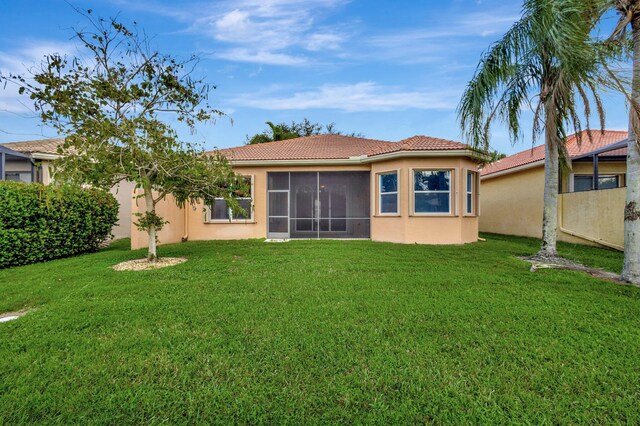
[[311, 332]]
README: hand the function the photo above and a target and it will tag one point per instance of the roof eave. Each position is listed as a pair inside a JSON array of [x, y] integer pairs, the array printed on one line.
[[611, 147], [531, 165], [361, 159], [44, 156], [301, 162], [427, 153], [8, 151]]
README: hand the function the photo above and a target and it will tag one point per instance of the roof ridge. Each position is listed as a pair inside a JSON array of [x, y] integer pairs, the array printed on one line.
[[33, 141], [300, 138]]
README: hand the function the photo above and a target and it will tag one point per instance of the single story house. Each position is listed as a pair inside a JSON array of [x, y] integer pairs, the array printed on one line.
[[418, 190], [30, 161], [24, 161], [592, 193]]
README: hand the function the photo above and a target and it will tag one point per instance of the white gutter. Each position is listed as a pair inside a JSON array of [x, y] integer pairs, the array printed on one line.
[[361, 159], [44, 156], [340, 161], [512, 170], [444, 153]]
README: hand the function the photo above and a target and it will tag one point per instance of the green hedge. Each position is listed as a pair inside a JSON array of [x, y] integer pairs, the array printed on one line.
[[39, 222]]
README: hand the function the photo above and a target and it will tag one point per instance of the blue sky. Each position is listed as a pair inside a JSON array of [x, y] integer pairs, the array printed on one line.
[[388, 70]]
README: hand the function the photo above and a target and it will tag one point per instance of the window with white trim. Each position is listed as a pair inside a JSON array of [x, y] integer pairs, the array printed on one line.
[[471, 190], [388, 192], [432, 191], [220, 211]]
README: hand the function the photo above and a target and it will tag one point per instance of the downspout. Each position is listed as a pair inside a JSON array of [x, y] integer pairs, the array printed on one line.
[[185, 236], [581, 236]]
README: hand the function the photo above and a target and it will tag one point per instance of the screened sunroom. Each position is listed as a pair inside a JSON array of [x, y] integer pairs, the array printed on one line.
[[318, 205]]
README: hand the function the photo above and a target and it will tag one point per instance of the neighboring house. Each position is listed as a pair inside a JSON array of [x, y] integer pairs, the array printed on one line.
[[16, 166], [418, 190], [591, 203], [30, 161], [33, 162]]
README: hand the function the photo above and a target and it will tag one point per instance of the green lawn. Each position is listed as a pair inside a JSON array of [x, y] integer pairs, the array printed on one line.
[[321, 332]]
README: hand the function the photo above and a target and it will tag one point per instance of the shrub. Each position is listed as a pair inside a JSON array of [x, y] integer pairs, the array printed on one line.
[[39, 222]]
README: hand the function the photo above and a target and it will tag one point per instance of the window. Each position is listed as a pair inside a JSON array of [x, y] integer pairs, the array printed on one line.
[[432, 191], [278, 204], [388, 184], [471, 183], [221, 212], [18, 176], [585, 182]]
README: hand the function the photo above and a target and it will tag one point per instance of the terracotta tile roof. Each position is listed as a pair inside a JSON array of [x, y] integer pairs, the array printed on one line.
[[333, 147], [44, 146], [535, 154], [620, 152], [420, 143]]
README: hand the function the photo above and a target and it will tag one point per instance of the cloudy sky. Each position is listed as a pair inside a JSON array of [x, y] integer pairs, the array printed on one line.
[[386, 69]]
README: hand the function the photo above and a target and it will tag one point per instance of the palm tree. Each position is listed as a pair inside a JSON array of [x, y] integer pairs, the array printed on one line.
[[547, 63], [629, 11], [276, 132]]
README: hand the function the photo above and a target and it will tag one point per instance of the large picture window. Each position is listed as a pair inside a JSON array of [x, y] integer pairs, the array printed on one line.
[[220, 211], [388, 186], [432, 191]]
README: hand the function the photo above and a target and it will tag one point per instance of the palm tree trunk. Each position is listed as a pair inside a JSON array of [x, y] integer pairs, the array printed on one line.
[[631, 268], [151, 231], [550, 213]]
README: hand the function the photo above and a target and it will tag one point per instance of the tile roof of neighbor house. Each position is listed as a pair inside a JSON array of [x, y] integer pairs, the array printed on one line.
[[44, 146], [334, 147], [536, 154]]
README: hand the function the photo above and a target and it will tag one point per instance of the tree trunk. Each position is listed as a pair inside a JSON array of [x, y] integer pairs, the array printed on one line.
[[550, 214], [151, 231], [631, 268]]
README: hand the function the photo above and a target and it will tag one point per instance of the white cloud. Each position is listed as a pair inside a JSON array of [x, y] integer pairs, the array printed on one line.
[[275, 32], [325, 41], [363, 96], [260, 57], [295, 32], [438, 43], [31, 53], [488, 23], [21, 60]]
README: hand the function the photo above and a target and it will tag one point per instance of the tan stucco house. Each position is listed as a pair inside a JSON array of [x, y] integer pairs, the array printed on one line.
[[592, 193], [30, 161], [418, 190]]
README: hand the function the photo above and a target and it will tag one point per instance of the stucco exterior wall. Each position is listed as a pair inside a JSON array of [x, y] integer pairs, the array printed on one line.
[[123, 192], [46, 172], [456, 228], [407, 227], [22, 165], [172, 232], [512, 204], [598, 215]]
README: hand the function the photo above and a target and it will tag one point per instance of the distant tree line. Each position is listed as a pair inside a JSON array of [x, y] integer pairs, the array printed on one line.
[[282, 131]]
